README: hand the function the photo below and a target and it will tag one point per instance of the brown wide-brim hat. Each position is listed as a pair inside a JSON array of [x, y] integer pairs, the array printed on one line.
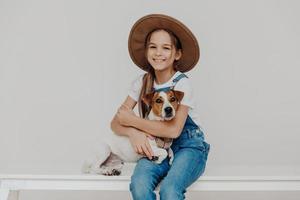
[[148, 23]]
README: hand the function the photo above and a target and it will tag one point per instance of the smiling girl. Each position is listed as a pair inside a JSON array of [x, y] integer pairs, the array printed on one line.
[[165, 48]]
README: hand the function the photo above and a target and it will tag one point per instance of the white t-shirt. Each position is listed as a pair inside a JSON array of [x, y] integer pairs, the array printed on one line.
[[183, 85]]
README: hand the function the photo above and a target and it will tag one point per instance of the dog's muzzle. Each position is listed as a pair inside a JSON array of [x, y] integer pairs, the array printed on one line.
[[169, 112]]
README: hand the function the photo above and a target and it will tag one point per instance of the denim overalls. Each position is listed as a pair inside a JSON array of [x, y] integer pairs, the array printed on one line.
[[190, 156]]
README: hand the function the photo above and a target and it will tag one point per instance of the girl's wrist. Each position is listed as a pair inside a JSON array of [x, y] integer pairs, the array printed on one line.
[[135, 132], [132, 131]]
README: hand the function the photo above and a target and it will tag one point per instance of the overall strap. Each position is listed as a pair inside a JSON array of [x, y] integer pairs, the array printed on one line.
[[180, 76], [165, 89], [174, 82]]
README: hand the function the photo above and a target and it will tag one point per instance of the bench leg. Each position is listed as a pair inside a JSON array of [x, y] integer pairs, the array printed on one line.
[[6, 194], [13, 195]]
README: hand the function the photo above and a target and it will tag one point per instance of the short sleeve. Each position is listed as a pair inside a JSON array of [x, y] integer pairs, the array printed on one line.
[[135, 87], [184, 85]]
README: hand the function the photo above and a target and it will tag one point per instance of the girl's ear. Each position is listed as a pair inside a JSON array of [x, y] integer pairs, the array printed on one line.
[[179, 95], [147, 99], [178, 54]]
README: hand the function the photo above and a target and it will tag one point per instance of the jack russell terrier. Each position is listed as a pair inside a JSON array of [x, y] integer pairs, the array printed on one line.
[[110, 159]]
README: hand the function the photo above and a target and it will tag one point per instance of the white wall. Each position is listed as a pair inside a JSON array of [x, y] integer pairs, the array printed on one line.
[[65, 68]]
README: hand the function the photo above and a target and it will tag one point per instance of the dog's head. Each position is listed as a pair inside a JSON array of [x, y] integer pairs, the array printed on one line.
[[164, 104]]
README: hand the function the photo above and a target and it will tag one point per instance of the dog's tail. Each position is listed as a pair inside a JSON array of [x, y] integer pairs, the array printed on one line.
[[86, 167]]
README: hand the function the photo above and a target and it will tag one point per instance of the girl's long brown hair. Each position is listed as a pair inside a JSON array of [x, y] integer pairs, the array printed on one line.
[[149, 77]]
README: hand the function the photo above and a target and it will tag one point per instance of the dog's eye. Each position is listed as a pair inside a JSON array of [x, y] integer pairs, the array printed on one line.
[[173, 99], [158, 101]]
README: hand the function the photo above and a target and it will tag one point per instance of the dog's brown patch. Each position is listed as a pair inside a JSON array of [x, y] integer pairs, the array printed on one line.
[[175, 97], [157, 104]]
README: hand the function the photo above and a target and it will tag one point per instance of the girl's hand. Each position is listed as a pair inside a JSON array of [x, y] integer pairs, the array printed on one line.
[[140, 143], [125, 115]]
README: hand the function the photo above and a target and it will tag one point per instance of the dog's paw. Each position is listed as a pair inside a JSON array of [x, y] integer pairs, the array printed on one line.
[[171, 160], [154, 158], [171, 156], [111, 172], [159, 159]]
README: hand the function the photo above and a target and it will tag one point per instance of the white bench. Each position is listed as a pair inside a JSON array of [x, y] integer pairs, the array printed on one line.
[[12, 184]]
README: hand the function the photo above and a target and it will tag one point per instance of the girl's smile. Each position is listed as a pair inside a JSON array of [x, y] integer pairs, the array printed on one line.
[[158, 60]]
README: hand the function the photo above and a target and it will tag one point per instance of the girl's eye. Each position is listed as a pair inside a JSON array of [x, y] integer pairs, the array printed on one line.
[[167, 48], [173, 99], [158, 101], [152, 47]]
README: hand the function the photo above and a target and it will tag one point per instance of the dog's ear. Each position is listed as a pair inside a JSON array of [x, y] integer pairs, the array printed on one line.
[[179, 95], [147, 99]]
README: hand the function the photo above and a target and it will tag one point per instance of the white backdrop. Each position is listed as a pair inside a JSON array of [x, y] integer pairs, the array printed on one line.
[[65, 69]]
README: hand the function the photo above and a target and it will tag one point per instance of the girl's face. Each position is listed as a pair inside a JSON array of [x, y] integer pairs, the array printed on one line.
[[161, 52]]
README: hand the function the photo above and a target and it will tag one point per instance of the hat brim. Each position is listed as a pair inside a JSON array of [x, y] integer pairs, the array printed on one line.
[[140, 30]]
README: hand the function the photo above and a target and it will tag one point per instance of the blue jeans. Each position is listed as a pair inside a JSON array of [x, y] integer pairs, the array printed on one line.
[[190, 156]]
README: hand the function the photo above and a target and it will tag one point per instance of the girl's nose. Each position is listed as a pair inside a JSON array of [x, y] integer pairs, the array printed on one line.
[[158, 51]]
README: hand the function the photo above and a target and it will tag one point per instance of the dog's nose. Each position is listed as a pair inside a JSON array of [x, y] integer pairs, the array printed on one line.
[[168, 110]]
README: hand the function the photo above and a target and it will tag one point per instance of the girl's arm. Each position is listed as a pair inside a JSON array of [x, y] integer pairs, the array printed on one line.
[[169, 129], [137, 137]]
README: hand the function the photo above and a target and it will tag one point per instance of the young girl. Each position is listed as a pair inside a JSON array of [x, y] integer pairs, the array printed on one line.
[[164, 48]]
